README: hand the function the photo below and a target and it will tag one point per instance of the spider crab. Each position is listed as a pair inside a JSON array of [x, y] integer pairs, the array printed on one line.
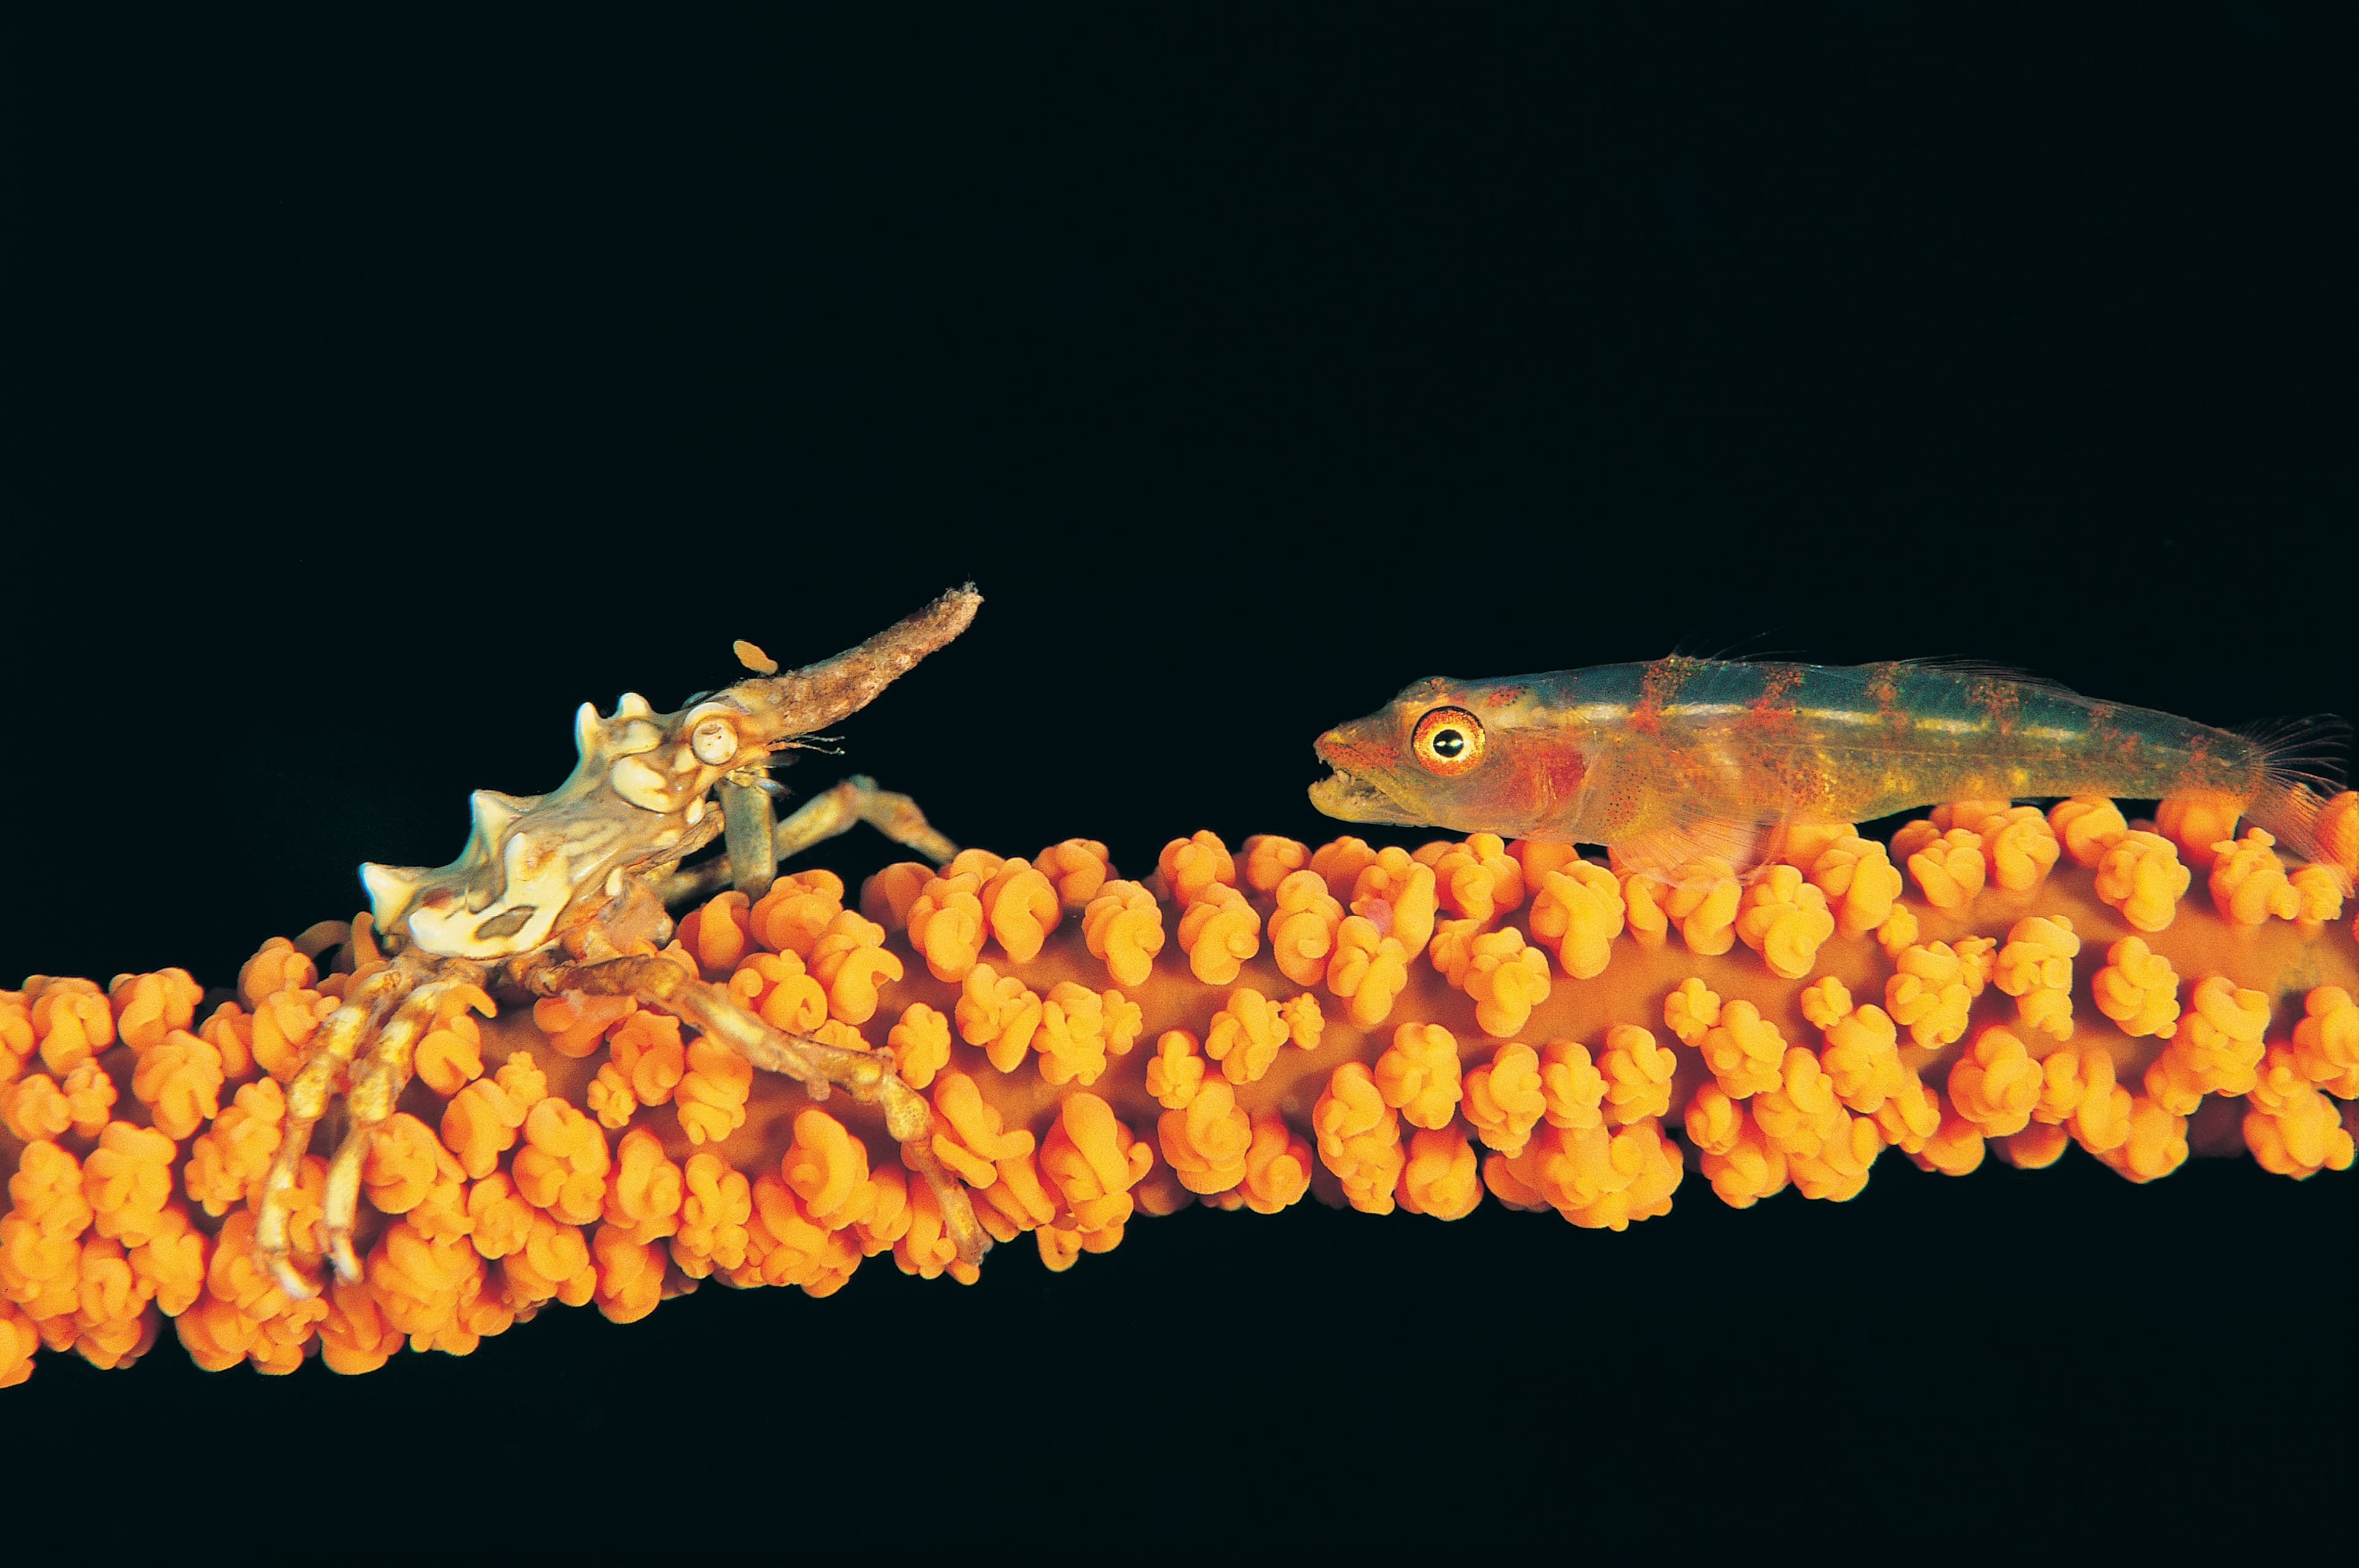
[[569, 892]]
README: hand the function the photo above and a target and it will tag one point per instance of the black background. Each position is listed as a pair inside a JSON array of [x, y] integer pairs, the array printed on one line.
[[398, 387]]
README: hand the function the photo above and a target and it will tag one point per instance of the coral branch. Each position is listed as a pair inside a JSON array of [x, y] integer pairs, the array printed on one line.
[[1416, 1030]]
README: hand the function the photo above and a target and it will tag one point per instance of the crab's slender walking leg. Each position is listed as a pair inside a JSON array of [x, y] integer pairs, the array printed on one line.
[[376, 1086], [750, 835], [332, 1049], [870, 1077], [858, 799], [839, 810]]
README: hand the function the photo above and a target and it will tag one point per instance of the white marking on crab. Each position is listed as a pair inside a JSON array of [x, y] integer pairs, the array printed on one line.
[[640, 784], [539, 876], [390, 889], [492, 811], [629, 735], [695, 811]]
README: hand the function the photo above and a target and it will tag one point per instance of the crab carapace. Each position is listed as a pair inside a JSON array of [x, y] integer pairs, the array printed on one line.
[[567, 892]]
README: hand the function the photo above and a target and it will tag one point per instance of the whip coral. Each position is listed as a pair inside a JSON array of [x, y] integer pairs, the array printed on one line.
[[1241, 1027]]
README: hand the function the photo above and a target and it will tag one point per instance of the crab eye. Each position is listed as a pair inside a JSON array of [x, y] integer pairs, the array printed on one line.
[[713, 742], [1448, 741]]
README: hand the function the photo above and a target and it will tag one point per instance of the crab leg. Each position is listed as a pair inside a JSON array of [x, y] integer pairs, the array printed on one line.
[[750, 831], [858, 799], [332, 1050], [839, 810], [376, 1086], [869, 1076]]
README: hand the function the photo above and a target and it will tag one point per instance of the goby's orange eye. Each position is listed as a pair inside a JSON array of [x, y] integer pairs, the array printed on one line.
[[1448, 741]]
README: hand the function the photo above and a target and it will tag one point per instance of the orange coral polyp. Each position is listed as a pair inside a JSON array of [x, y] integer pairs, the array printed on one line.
[[1418, 1029]]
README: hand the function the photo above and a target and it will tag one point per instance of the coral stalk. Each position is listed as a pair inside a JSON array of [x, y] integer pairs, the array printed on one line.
[[1376, 1028]]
